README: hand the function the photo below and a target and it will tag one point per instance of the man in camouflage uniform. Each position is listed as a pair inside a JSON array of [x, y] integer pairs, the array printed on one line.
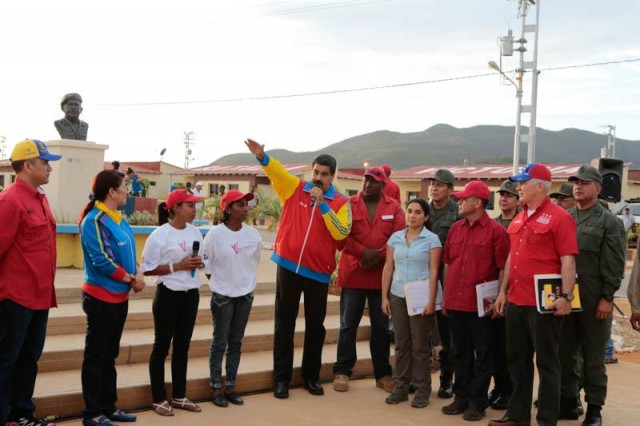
[[600, 269], [509, 205], [443, 212]]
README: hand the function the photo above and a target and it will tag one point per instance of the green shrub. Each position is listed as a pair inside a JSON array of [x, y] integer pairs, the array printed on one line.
[[143, 218]]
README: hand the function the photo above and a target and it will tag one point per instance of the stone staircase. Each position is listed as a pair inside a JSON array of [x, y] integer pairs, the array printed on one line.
[[58, 388]]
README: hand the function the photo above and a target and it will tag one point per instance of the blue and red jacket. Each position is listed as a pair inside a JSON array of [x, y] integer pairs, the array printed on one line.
[[330, 224], [109, 250]]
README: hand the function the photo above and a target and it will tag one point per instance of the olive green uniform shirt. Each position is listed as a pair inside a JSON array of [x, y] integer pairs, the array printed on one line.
[[506, 222], [601, 259], [440, 221]]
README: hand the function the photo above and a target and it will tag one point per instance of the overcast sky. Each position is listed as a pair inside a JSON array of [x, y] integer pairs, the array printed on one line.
[[150, 70]]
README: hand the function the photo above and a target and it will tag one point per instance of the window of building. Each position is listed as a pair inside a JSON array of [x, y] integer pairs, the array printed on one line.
[[412, 195], [491, 204], [233, 186], [213, 188], [351, 192]]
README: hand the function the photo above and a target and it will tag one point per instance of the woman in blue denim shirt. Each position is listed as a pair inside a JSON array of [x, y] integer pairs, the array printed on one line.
[[413, 254]]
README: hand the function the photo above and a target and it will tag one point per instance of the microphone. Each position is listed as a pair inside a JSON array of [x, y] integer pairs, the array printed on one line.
[[195, 250], [313, 199]]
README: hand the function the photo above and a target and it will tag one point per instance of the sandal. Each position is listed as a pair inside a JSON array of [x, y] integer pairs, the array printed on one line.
[[185, 404], [163, 408]]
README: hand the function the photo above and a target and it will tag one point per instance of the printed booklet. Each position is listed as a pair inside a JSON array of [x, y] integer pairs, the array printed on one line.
[[486, 294], [548, 288]]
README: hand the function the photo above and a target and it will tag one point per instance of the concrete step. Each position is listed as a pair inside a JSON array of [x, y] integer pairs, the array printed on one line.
[[66, 295], [65, 352], [70, 319], [59, 394]]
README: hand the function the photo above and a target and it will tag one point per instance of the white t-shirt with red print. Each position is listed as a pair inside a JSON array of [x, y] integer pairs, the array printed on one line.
[[232, 257]]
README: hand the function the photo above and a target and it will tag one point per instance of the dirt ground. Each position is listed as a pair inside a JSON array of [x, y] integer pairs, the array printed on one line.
[[630, 350]]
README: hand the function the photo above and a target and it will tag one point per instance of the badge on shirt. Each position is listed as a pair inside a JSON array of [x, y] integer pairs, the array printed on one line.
[[387, 217], [544, 219]]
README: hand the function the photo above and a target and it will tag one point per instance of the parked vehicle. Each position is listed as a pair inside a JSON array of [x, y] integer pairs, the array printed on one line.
[[634, 209]]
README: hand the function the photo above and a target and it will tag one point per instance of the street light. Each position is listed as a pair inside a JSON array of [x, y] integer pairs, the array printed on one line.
[[516, 136]]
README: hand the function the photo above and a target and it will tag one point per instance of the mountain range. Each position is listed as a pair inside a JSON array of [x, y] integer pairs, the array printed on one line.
[[445, 144]]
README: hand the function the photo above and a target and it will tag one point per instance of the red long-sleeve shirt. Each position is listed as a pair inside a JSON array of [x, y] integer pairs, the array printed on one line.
[[387, 219], [475, 254], [27, 247]]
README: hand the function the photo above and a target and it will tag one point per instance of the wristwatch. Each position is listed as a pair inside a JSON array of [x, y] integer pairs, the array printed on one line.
[[607, 297], [568, 296]]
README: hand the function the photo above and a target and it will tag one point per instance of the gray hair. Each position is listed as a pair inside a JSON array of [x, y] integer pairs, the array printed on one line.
[[545, 184]]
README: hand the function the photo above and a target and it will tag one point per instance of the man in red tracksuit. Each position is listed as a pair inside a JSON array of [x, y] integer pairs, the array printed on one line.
[[375, 217], [314, 218]]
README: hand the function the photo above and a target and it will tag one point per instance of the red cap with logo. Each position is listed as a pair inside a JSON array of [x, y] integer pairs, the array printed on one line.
[[178, 196], [377, 173], [475, 188], [532, 171], [232, 196]]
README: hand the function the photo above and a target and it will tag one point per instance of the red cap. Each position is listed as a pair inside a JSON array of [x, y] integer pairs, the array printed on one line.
[[475, 188], [377, 173], [178, 196], [232, 196], [387, 169]]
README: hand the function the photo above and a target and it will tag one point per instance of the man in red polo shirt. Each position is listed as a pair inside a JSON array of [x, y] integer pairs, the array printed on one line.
[[27, 272], [476, 251], [375, 217], [543, 241]]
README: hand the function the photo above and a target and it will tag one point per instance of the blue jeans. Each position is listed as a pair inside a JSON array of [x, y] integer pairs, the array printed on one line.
[[22, 334], [608, 350], [352, 303], [230, 317]]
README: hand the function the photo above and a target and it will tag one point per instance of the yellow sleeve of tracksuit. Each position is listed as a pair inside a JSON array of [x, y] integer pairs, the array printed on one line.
[[338, 223], [284, 183]]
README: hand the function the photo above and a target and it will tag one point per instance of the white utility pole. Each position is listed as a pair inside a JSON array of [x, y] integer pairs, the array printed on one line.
[[3, 148], [531, 151], [188, 141], [611, 141], [506, 49]]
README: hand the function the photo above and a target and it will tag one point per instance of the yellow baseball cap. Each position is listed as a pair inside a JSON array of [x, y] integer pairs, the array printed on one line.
[[28, 149]]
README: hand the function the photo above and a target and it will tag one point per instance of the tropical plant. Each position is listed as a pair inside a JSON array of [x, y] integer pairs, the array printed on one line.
[[142, 218], [211, 209], [269, 209]]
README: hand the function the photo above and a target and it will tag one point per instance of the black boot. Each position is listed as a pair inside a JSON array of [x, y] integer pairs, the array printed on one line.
[[446, 387], [568, 409], [593, 417], [579, 408]]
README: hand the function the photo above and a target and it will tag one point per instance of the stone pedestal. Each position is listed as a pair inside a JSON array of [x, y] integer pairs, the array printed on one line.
[[70, 181]]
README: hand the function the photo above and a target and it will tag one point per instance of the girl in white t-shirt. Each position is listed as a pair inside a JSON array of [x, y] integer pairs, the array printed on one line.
[[169, 255], [232, 255]]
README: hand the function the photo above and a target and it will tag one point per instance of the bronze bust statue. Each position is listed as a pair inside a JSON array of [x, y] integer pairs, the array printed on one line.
[[71, 127]]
